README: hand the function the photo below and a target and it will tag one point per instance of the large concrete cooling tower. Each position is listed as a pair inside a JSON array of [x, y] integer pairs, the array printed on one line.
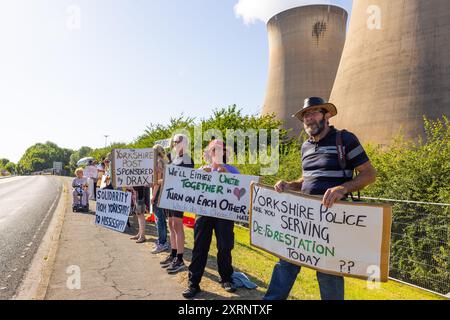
[[305, 47], [392, 76]]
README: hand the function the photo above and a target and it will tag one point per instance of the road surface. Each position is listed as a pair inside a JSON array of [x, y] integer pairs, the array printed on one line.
[[26, 208]]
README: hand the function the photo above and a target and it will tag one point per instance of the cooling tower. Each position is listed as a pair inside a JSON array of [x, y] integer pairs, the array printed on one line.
[[390, 77], [305, 47]]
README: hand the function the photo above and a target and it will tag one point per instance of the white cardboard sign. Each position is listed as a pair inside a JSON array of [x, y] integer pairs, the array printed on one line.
[[350, 239], [220, 195]]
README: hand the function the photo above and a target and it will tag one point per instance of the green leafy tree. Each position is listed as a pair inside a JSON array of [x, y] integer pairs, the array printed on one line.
[[417, 171], [3, 162], [10, 167], [77, 155], [41, 156]]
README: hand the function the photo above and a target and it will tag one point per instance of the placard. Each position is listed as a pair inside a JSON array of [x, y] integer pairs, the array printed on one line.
[[112, 209], [214, 194], [133, 167], [350, 239]]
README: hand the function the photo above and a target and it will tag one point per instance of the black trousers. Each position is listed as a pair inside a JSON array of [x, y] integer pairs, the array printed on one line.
[[203, 230], [95, 189]]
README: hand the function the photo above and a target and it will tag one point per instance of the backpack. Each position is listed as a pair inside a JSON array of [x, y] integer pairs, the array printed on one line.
[[342, 158]]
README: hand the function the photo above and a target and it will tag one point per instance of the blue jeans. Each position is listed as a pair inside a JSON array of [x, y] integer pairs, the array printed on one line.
[[283, 278], [161, 225]]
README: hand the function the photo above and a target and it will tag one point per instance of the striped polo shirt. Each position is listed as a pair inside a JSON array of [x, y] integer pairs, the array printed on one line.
[[321, 169]]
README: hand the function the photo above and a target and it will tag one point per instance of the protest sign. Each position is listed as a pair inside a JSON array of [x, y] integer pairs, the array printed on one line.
[[214, 194], [112, 209], [133, 167], [350, 239], [165, 143]]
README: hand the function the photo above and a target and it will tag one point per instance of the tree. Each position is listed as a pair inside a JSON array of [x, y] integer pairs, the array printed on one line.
[[10, 167], [3, 162], [41, 156], [77, 155]]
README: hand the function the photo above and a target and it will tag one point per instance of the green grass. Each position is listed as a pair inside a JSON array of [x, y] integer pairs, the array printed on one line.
[[258, 266]]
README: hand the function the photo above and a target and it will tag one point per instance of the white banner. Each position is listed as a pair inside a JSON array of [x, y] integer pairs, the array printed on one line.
[[220, 195], [133, 167], [350, 239], [112, 209]]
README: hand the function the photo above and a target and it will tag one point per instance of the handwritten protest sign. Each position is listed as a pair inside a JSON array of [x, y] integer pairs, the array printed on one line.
[[350, 239], [220, 195], [112, 209], [165, 143], [133, 167]]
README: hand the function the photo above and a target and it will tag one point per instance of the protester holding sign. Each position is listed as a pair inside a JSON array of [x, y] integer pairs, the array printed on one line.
[[106, 178], [216, 154], [329, 158], [174, 262], [161, 226], [101, 172]]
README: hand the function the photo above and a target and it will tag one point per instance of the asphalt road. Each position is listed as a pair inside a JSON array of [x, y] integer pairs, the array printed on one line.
[[26, 208]]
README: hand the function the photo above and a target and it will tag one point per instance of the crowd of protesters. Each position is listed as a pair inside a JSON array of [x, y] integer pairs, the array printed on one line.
[[324, 174]]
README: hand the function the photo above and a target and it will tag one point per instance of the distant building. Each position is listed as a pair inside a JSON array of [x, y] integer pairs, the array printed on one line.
[[305, 47]]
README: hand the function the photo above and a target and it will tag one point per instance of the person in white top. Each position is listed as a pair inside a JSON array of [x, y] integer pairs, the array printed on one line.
[[91, 173]]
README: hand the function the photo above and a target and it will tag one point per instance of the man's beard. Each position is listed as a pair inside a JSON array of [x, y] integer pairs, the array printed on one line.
[[316, 128]]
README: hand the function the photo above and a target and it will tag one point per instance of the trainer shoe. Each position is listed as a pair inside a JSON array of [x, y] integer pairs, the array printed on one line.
[[229, 286], [167, 261], [177, 265], [191, 292], [160, 248]]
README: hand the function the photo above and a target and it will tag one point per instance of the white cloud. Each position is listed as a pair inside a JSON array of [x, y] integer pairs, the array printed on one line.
[[254, 10]]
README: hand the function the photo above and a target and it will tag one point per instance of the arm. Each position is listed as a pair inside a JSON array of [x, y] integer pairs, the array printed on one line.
[[157, 185], [154, 193], [282, 186], [367, 175]]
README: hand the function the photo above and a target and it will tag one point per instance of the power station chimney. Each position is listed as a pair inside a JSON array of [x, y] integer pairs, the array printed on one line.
[[395, 68], [305, 47]]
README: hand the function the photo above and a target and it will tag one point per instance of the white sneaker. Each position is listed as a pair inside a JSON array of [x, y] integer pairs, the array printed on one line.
[[160, 248]]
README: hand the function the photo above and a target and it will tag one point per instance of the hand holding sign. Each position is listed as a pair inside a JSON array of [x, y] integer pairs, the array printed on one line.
[[349, 240], [214, 194], [332, 195]]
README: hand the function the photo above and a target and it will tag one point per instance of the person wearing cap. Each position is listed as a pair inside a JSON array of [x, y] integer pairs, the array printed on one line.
[[325, 175], [216, 155], [174, 261]]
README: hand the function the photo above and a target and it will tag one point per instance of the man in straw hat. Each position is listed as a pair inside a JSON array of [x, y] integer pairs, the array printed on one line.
[[329, 158]]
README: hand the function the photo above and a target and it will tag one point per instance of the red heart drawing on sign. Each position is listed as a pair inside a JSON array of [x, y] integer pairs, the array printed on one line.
[[239, 193]]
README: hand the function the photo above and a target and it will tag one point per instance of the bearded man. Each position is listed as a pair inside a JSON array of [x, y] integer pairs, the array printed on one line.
[[329, 158]]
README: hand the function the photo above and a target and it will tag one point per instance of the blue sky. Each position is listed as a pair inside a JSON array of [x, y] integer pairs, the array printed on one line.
[[130, 63]]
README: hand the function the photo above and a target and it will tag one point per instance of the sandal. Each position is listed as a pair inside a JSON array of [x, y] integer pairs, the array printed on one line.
[[136, 237]]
